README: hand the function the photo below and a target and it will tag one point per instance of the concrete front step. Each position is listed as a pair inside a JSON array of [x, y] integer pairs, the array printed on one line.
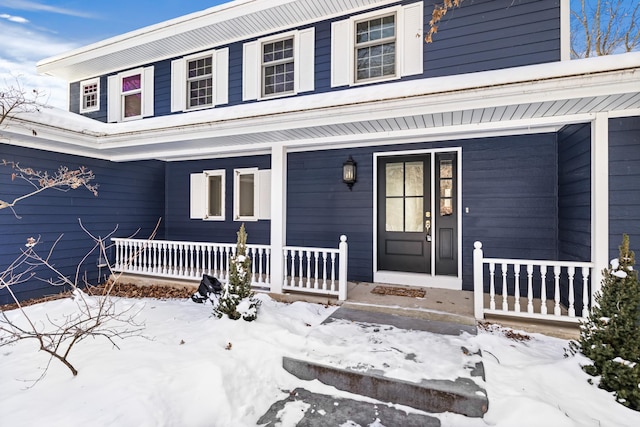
[[462, 396]]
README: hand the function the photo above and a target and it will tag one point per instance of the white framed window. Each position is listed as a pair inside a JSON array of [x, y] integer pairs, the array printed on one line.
[[208, 197], [130, 95], [200, 80], [246, 193], [90, 95], [375, 48], [382, 45], [279, 65]]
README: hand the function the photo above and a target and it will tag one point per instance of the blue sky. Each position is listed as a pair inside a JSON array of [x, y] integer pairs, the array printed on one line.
[[35, 29]]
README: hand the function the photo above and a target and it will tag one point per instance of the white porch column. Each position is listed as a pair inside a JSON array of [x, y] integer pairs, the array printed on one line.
[[599, 198], [278, 214]]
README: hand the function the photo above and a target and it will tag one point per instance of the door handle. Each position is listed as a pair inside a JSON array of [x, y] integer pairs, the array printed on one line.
[[427, 227]]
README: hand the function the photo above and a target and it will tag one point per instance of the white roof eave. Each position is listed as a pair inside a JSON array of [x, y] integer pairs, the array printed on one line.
[[227, 23]]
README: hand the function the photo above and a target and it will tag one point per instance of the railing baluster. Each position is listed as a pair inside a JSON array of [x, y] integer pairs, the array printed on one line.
[[300, 272], [543, 289], [516, 305], [333, 272], [585, 291], [529, 288], [556, 306], [572, 309], [315, 284], [324, 270], [505, 305], [308, 275], [492, 286]]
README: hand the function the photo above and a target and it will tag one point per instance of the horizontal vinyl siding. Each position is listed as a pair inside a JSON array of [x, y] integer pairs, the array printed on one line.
[[480, 35], [130, 197], [509, 186], [162, 88], [574, 193], [624, 183], [320, 207], [489, 35], [179, 226]]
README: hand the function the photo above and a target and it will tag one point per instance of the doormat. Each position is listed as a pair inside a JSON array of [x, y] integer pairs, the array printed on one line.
[[399, 292]]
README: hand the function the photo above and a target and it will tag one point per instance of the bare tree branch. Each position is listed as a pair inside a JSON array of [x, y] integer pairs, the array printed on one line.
[[62, 180]]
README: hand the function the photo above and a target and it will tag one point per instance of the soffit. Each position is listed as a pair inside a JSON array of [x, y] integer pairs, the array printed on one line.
[[516, 118], [218, 26]]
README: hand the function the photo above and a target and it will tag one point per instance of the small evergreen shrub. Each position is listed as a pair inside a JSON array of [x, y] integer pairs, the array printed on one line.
[[610, 336], [238, 300]]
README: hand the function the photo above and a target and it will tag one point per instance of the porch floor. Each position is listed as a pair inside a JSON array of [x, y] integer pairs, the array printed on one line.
[[437, 304]]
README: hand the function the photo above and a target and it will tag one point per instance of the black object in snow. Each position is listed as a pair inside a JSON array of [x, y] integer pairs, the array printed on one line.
[[209, 287]]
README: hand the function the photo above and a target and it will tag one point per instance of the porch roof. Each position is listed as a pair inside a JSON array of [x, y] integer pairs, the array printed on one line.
[[207, 29], [539, 98]]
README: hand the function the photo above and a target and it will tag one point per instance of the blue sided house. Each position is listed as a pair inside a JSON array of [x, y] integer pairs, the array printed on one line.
[[350, 148]]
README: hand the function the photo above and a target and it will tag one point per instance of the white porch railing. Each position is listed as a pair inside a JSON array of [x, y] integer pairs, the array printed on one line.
[[312, 270], [188, 260], [505, 279]]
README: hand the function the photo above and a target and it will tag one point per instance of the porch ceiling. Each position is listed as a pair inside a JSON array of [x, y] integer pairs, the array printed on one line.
[[473, 122], [216, 26]]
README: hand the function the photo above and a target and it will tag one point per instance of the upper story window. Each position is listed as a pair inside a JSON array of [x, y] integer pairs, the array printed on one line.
[[90, 95], [381, 45], [278, 65], [130, 95], [375, 48], [200, 80]]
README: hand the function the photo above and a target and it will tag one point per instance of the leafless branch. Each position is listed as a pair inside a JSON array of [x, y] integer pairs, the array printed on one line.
[[63, 179], [96, 316]]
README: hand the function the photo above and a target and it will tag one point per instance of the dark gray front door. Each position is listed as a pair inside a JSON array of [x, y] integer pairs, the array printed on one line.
[[409, 228], [404, 214]]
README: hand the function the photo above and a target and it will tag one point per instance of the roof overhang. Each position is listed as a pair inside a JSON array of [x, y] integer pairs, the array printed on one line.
[[217, 26], [532, 99]]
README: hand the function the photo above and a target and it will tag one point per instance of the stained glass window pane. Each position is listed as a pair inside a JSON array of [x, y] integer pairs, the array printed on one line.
[[131, 83], [446, 169]]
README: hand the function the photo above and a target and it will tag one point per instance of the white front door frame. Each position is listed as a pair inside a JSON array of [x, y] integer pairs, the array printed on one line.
[[430, 280]]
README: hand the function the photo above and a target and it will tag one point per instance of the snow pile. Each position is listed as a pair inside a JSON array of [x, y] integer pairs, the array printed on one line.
[[192, 369]]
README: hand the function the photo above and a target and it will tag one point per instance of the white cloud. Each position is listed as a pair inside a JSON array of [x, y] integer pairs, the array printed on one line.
[[36, 6], [20, 50], [17, 19]]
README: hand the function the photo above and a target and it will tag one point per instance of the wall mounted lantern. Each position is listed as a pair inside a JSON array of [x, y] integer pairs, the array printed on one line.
[[349, 172]]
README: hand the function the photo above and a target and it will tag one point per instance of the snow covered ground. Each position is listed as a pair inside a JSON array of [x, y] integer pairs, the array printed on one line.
[[192, 369]]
